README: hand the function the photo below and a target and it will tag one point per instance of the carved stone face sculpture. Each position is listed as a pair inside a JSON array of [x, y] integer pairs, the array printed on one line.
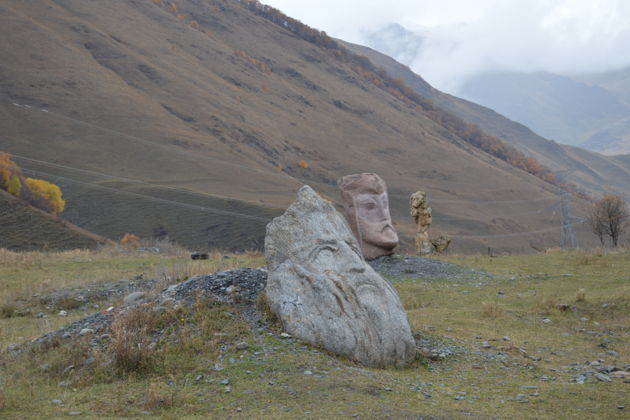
[[367, 208], [324, 292]]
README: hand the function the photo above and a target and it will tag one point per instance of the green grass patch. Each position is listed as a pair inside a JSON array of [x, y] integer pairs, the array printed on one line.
[[504, 349]]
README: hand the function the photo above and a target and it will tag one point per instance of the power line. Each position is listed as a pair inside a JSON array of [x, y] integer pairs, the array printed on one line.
[[510, 235], [209, 209], [151, 198], [119, 178], [567, 236], [538, 211], [155, 144]]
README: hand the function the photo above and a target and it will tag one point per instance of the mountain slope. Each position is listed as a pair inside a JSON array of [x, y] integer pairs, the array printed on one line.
[[590, 171], [212, 107], [25, 228], [557, 107]]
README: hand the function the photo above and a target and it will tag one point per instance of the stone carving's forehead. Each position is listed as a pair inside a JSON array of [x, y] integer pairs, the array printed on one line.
[[362, 184], [371, 198], [321, 230]]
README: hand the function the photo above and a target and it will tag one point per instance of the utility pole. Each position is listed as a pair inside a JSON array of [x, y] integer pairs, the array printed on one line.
[[567, 237]]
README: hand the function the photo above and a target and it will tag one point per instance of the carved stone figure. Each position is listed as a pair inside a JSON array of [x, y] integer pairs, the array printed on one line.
[[324, 292], [422, 215], [367, 208]]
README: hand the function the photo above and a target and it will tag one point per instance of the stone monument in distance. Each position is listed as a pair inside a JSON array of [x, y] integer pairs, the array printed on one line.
[[367, 209]]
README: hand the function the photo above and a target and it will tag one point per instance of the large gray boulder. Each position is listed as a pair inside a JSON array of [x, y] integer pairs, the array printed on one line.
[[324, 292]]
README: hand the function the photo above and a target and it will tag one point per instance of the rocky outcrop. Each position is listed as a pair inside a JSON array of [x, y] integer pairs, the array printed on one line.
[[324, 292]]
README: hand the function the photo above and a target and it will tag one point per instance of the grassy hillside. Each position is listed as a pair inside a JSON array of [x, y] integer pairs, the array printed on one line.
[[588, 170], [217, 101], [505, 360], [26, 228]]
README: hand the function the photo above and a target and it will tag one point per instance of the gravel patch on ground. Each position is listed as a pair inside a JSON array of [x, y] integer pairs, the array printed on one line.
[[418, 267], [242, 284], [242, 287]]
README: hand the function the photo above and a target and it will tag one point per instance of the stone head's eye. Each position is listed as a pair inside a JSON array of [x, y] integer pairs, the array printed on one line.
[[330, 248], [324, 248], [369, 206], [355, 249]]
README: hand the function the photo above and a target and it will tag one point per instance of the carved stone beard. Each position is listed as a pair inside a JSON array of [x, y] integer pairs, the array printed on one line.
[[357, 300]]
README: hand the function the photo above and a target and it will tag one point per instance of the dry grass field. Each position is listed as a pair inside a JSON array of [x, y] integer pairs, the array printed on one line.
[[518, 329]]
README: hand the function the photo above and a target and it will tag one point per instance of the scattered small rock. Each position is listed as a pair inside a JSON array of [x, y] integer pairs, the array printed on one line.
[[308, 372], [242, 346], [602, 377], [62, 313], [285, 335], [579, 379], [133, 297], [520, 398], [225, 381], [546, 320], [74, 413], [41, 315], [86, 331]]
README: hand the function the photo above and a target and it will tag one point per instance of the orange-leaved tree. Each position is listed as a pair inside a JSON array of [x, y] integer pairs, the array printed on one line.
[[37, 192], [8, 169]]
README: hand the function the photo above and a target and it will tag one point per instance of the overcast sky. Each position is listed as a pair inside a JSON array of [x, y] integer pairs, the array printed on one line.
[[464, 37]]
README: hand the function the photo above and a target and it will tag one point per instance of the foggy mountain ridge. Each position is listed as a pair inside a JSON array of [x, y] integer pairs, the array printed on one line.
[[591, 110]]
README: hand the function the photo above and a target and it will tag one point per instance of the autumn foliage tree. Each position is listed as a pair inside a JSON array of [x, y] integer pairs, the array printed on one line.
[[50, 192], [609, 216], [37, 192]]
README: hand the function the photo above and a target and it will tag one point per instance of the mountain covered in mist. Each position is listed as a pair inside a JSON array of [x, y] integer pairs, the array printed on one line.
[[591, 111]]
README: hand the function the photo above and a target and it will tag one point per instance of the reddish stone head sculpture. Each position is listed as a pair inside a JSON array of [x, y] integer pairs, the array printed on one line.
[[367, 209]]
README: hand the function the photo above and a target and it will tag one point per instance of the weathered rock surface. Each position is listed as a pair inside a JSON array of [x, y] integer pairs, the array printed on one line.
[[325, 293]]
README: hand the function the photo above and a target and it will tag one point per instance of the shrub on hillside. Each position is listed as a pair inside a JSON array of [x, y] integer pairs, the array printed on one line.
[[37, 192], [130, 241], [15, 186], [48, 192]]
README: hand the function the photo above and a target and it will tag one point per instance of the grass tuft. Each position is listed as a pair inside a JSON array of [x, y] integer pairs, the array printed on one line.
[[7, 310], [491, 310], [580, 295], [131, 347]]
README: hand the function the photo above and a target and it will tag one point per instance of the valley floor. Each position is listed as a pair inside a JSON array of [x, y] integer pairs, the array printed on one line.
[[542, 336]]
